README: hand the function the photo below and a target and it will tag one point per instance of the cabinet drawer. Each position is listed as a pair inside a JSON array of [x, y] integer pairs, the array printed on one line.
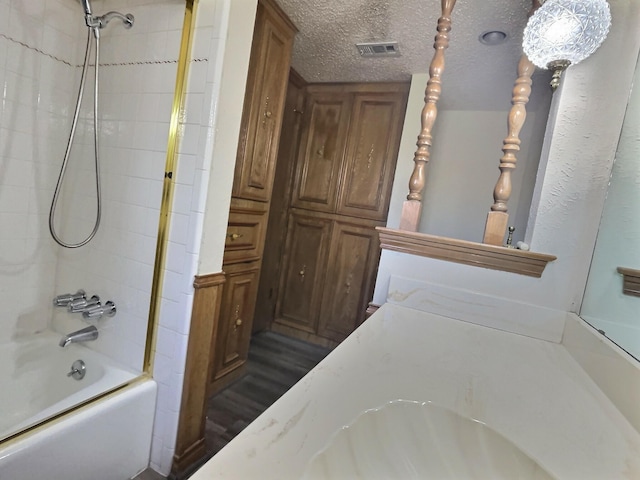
[[245, 232]]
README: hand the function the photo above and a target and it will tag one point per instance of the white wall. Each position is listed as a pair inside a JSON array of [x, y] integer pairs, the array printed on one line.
[[605, 306], [587, 114], [233, 85], [464, 165]]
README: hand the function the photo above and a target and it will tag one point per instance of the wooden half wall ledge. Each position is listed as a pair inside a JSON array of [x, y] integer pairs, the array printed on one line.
[[190, 444], [462, 251], [630, 281]]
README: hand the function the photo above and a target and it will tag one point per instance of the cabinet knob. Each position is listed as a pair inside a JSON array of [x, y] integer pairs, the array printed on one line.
[[234, 236], [238, 322], [267, 112], [302, 272]]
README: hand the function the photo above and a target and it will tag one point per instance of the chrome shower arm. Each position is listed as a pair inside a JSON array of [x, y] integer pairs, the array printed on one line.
[[87, 7], [103, 20]]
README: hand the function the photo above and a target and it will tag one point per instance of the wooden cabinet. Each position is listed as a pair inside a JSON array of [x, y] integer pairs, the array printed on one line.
[[252, 186], [348, 148], [344, 172], [354, 253], [305, 261], [275, 239], [327, 281], [324, 137], [245, 232], [264, 103], [233, 333], [369, 162]]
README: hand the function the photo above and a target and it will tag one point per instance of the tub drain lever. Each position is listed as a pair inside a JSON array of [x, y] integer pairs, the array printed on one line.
[[78, 370]]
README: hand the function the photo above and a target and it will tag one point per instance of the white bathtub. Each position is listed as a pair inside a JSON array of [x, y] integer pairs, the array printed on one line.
[[108, 439], [461, 390]]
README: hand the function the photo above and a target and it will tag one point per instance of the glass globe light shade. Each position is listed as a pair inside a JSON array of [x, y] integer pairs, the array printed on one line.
[[566, 31]]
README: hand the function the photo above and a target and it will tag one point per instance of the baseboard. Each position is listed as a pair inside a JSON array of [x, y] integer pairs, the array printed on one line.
[[226, 380], [183, 465], [302, 335]]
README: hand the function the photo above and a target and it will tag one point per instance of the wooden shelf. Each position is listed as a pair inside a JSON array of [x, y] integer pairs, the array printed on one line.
[[461, 251], [631, 281]]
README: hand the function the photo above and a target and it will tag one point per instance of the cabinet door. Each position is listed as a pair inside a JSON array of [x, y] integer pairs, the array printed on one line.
[[305, 266], [233, 333], [372, 150], [276, 236], [263, 106], [321, 151], [354, 255]]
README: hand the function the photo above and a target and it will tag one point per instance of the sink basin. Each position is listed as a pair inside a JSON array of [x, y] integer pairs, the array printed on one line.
[[408, 440]]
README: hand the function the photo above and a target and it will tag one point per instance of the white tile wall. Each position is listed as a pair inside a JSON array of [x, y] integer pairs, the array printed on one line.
[[39, 85], [36, 83], [137, 80], [186, 225]]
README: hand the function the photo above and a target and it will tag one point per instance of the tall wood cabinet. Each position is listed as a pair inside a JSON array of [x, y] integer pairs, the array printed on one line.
[[252, 187], [344, 172]]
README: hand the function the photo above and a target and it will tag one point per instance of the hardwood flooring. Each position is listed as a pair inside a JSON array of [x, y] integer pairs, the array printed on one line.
[[276, 363]]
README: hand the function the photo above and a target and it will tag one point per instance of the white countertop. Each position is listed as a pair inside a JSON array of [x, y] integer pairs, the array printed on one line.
[[530, 391]]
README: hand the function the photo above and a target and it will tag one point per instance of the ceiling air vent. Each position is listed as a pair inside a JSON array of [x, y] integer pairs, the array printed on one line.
[[383, 49]]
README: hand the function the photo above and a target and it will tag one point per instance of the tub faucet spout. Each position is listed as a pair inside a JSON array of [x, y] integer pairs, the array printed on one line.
[[84, 335]]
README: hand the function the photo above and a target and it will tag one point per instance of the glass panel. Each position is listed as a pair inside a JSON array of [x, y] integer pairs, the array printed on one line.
[[618, 245], [42, 46]]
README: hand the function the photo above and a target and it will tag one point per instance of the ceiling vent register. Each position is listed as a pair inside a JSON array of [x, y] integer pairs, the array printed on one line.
[[383, 49]]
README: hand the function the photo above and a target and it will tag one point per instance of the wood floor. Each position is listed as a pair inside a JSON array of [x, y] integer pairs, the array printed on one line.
[[275, 364]]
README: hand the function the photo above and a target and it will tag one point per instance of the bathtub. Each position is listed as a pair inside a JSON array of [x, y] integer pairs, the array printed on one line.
[[483, 403], [108, 439]]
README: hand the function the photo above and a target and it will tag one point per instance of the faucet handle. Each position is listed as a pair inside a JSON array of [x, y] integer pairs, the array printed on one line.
[[83, 304], [98, 311], [66, 298]]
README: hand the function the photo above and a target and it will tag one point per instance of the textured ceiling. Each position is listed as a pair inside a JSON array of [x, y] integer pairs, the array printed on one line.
[[477, 77]]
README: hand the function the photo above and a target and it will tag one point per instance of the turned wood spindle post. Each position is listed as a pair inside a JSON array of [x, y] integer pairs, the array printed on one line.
[[498, 218], [413, 205]]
